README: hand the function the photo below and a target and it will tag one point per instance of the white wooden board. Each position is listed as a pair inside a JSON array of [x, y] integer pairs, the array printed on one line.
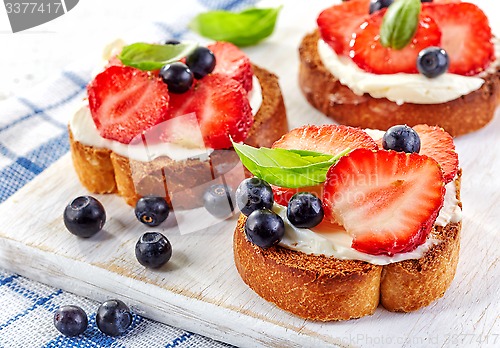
[[200, 290]]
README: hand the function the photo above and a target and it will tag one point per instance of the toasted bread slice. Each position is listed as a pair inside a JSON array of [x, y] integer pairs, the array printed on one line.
[[318, 287], [103, 171], [325, 92]]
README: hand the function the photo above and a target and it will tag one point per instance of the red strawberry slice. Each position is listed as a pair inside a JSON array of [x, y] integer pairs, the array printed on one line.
[[338, 23], [329, 139], [369, 54], [436, 143], [222, 109], [282, 194], [386, 200], [466, 36], [125, 102], [232, 62]]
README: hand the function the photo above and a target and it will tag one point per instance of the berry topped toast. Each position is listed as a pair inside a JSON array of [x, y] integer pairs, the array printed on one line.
[[440, 68], [355, 218], [165, 129]]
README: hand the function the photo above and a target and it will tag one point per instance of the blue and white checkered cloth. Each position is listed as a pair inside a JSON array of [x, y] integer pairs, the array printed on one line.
[[33, 135]]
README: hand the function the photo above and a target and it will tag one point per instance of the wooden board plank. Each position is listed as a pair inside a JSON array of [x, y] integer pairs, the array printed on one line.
[[200, 290]]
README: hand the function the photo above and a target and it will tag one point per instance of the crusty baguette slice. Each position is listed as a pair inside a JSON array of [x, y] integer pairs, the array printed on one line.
[[323, 288], [104, 171], [325, 92]]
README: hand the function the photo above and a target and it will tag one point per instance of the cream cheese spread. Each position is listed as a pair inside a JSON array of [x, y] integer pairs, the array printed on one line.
[[400, 88]]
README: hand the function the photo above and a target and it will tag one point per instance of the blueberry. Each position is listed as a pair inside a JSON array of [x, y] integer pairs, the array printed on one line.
[[177, 76], [84, 216], [376, 5], [253, 194], [401, 139], [433, 61], [426, 0], [305, 210], [151, 210], [264, 228], [70, 320], [201, 62], [113, 317], [153, 250], [172, 42], [219, 201]]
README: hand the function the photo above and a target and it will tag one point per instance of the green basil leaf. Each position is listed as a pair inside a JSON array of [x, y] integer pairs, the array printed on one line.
[[146, 56], [400, 23], [244, 28], [287, 168]]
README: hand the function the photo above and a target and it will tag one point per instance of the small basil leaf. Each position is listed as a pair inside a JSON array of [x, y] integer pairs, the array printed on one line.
[[400, 23], [244, 28], [287, 168], [146, 56]]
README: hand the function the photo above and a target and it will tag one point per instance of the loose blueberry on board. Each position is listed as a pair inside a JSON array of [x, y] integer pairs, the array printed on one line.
[[253, 194], [201, 62], [84, 216], [376, 5], [172, 42], [305, 210], [433, 61], [401, 138], [113, 317], [153, 250], [219, 201], [177, 76], [70, 320], [264, 228], [152, 210]]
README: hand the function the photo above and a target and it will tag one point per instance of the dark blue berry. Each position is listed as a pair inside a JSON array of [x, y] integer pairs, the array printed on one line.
[[253, 194], [153, 250], [401, 139], [113, 317], [426, 0], [201, 62], [305, 210], [219, 201], [264, 228], [172, 42], [84, 216], [151, 210], [432, 61], [376, 5], [70, 320], [177, 76]]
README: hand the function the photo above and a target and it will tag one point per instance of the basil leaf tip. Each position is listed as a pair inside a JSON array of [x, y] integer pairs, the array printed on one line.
[[287, 168], [245, 28], [400, 23], [149, 57]]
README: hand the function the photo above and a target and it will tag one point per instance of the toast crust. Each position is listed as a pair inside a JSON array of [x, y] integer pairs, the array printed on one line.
[[325, 92], [104, 171], [322, 288]]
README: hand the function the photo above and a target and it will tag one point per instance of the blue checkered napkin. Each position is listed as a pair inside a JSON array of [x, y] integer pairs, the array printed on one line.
[[33, 135]]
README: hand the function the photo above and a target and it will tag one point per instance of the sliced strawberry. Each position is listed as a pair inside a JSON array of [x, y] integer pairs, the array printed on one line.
[[221, 106], [338, 23], [386, 200], [369, 54], [282, 194], [329, 139], [125, 102], [466, 36], [435, 142], [232, 62]]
